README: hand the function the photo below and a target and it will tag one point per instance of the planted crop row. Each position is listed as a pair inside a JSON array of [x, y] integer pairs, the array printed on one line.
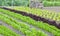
[[21, 26], [42, 13], [51, 0], [51, 3], [37, 18], [39, 24], [15, 2], [7, 32]]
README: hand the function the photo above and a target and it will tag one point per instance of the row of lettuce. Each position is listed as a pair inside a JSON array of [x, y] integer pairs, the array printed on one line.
[[14, 2], [51, 0], [25, 29], [42, 13], [6, 31], [47, 3]]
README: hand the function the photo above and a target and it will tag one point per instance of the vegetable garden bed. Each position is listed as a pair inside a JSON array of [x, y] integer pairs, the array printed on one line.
[[37, 18], [9, 16]]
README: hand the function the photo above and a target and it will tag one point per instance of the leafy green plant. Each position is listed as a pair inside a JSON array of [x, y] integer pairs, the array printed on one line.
[[38, 12], [45, 26], [51, 3], [7, 32], [14, 2], [17, 25]]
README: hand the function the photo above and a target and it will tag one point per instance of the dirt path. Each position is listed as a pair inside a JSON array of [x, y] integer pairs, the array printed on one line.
[[55, 9]]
